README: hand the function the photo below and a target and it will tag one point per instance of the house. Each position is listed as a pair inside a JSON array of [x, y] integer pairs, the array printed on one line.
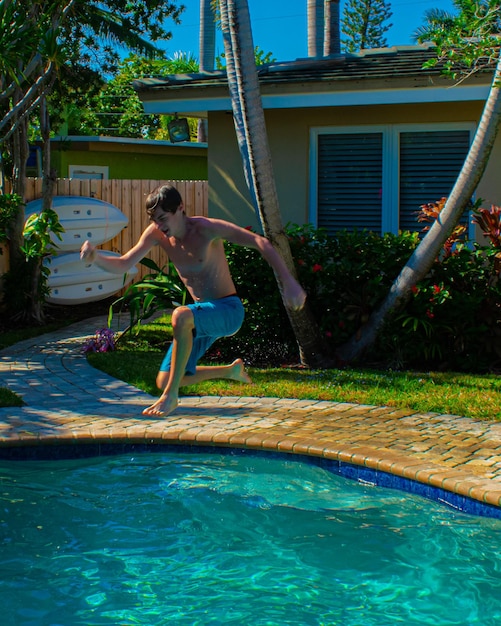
[[125, 158], [357, 140]]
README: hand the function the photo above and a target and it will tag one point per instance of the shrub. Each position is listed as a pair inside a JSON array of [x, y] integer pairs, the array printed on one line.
[[452, 320], [340, 276]]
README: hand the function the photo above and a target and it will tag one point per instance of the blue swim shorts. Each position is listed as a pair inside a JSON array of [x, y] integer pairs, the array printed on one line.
[[213, 319]]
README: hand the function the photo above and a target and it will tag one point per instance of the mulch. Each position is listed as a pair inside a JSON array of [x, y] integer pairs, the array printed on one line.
[[58, 314]]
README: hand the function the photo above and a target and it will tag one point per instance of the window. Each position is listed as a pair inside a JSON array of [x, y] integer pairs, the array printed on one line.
[[350, 181], [99, 172], [377, 177], [429, 166]]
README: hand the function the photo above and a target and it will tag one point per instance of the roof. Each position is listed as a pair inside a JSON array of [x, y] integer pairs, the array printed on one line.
[[136, 141], [378, 63], [368, 70]]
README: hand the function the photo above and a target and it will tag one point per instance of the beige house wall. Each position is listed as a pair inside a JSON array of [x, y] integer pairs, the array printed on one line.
[[289, 138]]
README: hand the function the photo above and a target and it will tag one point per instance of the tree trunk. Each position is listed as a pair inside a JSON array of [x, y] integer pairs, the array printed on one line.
[[253, 144], [332, 38], [315, 27], [207, 45], [207, 41], [48, 185], [427, 251], [19, 149]]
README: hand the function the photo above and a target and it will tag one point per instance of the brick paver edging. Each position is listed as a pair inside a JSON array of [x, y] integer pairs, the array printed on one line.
[[71, 403]]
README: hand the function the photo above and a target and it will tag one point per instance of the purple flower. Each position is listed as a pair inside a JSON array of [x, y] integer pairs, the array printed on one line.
[[103, 341]]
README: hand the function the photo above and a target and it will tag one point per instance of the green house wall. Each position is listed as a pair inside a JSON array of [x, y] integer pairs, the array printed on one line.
[[132, 159]]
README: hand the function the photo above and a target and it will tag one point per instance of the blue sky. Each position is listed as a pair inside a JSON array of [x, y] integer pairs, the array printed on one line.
[[279, 26]]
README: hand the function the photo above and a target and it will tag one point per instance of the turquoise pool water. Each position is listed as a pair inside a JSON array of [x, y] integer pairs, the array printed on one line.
[[197, 539]]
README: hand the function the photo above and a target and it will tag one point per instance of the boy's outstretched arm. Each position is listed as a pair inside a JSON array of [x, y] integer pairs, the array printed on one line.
[[294, 295]]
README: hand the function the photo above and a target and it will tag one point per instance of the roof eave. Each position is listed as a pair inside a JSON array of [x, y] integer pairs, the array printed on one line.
[[383, 76]]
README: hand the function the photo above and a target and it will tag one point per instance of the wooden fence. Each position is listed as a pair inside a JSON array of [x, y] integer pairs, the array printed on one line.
[[129, 196]]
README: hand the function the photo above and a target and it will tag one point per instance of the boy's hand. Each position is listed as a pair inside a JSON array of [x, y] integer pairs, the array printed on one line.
[[294, 295], [87, 252]]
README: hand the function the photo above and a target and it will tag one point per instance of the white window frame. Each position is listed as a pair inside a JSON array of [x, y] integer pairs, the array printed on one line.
[[102, 171], [391, 164]]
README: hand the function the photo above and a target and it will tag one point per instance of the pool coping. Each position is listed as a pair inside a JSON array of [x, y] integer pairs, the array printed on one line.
[[70, 403]]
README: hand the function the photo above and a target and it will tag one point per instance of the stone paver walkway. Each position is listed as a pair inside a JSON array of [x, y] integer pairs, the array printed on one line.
[[68, 401]]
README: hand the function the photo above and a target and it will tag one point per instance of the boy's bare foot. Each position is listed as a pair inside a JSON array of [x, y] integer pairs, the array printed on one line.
[[237, 372], [162, 407]]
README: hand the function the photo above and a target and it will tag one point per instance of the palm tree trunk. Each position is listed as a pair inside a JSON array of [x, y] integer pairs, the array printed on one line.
[[19, 151], [207, 45], [332, 39], [427, 251], [315, 10], [207, 41], [253, 144], [48, 185]]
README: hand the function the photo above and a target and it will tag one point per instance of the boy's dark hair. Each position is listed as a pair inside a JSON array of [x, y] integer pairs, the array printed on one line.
[[165, 197]]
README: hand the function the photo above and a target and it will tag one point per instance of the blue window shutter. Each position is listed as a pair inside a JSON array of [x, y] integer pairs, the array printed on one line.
[[429, 166], [350, 179]]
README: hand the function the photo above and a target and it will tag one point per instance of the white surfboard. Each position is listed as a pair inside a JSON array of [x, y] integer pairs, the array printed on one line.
[[73, 281], [82, 218]]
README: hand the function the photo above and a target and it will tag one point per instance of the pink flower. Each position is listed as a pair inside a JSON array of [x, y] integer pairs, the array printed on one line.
[[317, 268], [437, 289], [430, 314], [328, 333]]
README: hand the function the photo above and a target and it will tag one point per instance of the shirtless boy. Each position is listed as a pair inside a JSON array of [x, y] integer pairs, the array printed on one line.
[[195, 247]]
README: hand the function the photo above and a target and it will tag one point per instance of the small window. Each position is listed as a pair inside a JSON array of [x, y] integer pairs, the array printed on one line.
[[99, 172]]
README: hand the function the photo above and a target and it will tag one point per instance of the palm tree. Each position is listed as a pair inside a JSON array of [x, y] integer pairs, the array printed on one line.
[[35, 39], [434, 18], [250, 128], [29, 56]]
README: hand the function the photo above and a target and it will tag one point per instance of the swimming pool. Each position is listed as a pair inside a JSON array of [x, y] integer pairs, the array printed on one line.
[[207, 538]]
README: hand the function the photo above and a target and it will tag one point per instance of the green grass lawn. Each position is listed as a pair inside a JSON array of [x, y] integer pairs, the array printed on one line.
[[137, 359]]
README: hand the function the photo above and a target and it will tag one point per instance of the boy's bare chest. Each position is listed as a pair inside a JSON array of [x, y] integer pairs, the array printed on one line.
[[191, 255]]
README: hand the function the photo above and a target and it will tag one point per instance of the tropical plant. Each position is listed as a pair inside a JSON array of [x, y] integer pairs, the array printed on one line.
[[9, 207], [468, 41], [28, 288], [430, 211], [34, 32], [36, 39], [260, 56], [116, 110], [451, 43], [158, 291], [99, 31], [489, 221], [364, 23]]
